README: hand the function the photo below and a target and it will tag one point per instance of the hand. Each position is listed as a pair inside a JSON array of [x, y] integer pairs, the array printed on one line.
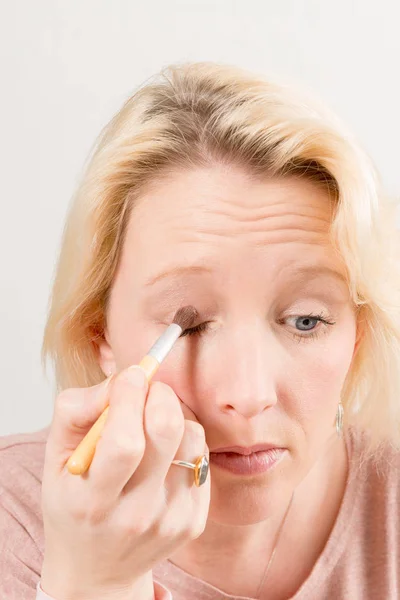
[[105, 530]]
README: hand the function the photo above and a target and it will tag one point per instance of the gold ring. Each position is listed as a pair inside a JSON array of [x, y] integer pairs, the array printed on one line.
[[200, 467]]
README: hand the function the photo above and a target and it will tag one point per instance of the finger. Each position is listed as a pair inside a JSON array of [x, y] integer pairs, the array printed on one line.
[[122, 444], [189, 415], [192, 446], [183, 496], [164, 427], [75, 411], [187, 412]]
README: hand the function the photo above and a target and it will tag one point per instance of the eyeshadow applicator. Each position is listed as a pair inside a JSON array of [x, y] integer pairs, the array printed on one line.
[[80, 460]]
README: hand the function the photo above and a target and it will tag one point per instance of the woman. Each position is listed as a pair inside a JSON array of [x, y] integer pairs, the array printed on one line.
[[214, 189]]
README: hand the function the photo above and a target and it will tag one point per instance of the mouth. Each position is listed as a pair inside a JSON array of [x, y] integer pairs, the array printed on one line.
[[253, 460]]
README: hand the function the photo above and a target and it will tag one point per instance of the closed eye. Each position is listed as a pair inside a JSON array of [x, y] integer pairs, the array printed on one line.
[[197, 330]]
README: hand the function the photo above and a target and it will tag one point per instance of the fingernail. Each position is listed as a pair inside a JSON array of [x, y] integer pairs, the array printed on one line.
[[136, 376]]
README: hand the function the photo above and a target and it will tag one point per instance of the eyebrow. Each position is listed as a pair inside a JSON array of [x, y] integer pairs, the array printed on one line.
[[316, 271], [299, 273], [178, 271]]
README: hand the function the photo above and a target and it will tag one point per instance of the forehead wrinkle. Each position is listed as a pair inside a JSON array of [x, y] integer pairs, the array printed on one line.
[[282, 237], [230, 222], [247, 214], [212, 220], [262, 234], [225, 212], [244, 212]]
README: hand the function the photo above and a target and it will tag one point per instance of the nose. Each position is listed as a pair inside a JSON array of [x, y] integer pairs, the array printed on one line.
[[250, 374]]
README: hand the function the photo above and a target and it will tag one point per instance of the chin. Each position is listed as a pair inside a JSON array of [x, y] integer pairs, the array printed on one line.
[[243, 501]]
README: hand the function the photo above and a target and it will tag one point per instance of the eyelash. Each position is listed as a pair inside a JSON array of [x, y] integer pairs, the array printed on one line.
[[316, 331], [312, 334], [197, 330]]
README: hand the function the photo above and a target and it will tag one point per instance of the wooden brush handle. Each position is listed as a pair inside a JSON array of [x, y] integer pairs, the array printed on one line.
[[81, 459]]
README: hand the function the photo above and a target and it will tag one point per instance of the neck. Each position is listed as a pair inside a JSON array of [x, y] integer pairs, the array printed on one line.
[[244, 551]]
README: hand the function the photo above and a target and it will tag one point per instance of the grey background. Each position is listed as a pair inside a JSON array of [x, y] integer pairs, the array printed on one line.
[[66, 66]]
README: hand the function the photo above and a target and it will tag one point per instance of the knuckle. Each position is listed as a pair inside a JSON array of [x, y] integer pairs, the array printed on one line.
[[170, 529], [124, 381], [118, 386], [79, 513], [177, 524], [134, 528], [96, 516], [140, 528], [92, 513], [65, 399], [185, 522], [71, 408], [165, 426], [127, 447], [196, 430], [166, 419], [176, 424], [79, 407], [163, 391]]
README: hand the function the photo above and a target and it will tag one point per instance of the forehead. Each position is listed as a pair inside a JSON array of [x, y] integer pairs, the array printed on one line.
[[222, 214]]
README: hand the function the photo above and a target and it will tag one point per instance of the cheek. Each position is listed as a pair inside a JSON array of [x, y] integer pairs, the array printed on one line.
[[130, 340], [317, 379], [187, 372]]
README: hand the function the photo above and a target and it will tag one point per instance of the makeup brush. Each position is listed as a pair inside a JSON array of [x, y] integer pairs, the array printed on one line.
[[80, 460]]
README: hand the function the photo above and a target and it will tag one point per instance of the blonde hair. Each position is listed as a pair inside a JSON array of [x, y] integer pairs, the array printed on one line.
[[196, 115]]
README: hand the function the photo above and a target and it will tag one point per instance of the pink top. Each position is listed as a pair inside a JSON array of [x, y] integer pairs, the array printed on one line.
[[361, 559], [160, 593]]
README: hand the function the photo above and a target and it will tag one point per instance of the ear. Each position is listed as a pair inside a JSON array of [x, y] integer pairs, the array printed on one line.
[[106, 355]]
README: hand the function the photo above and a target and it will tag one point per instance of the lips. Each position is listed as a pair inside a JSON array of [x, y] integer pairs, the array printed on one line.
[[252, 460], [246, 450]]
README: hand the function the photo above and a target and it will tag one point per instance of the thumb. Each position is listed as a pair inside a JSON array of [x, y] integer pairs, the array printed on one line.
[[75, 411]]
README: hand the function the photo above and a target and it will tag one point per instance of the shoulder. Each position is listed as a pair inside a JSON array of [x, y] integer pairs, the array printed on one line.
[[21, 523], [378, 475], [23, 441], [21, 471], [21, 461]]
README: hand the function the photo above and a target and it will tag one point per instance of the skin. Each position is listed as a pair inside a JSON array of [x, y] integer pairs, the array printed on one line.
[[253, 257]]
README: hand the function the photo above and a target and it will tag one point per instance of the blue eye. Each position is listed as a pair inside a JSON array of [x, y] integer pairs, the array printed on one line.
[[306, 323], [308, 326]]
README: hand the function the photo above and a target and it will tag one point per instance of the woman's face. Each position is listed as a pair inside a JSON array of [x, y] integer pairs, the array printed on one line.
[[278, 328]]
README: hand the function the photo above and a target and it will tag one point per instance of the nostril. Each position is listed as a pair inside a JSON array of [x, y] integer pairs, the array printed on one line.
[[247, 409]]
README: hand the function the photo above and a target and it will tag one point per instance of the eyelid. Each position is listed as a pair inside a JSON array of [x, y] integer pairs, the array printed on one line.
[[308, 302], [319, 315], [302, 309], [196, 329]]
